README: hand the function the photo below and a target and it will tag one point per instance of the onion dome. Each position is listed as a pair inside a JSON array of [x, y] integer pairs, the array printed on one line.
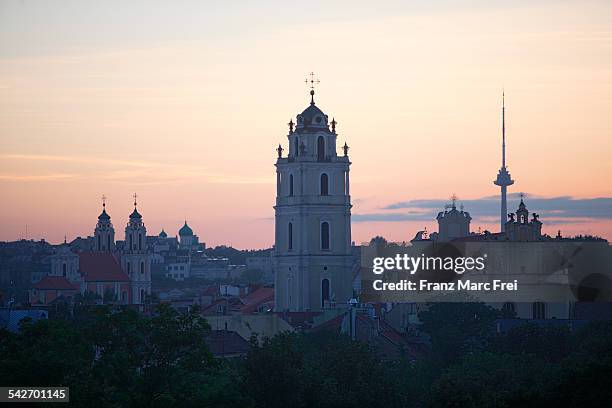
[[135, 215], [185, 230], [104, 216], [163, 234]]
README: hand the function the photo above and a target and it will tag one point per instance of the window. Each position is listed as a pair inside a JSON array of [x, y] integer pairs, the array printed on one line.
[[539, 310], [324, 292], [324, 184], [320, 148], [142, 267], [99, 243], [108, 245], [131, 247], [139, 242], [291, 184], [142, 295], [325, 235], [297, 147], [64, 269], [290, 236], [509, 307], [129, 268]]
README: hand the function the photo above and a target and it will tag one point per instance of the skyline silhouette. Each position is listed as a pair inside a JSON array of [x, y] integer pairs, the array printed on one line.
[[183, 109]]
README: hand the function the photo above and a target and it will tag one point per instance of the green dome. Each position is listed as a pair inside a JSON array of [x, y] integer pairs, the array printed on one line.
[[185, 230]]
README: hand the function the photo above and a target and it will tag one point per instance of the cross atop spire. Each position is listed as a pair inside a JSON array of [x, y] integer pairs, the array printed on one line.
[[135, 197], [103, 201], [312, 82], [454, 199]]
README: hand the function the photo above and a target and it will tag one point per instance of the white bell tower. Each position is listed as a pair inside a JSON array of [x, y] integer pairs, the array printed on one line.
[[312, 252]]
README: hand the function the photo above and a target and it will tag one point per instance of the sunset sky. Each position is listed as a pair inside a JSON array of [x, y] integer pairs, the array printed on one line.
[[184, 103]]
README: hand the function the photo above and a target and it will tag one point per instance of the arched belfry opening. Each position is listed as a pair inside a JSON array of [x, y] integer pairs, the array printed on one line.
[[320, 148], [324, 184], [325, 235]]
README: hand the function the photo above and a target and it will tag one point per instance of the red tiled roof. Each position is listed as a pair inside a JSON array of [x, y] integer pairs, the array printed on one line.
[[54, 283], [254, 299], [101, 267]]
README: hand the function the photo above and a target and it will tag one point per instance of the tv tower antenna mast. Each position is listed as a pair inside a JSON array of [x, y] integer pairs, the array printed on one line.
[[503, 176]]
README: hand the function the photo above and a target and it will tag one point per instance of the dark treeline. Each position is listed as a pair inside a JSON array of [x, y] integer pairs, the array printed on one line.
[[123, 359]]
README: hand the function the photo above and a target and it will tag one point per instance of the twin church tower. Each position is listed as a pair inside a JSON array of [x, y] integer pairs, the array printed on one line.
[[312, 252]]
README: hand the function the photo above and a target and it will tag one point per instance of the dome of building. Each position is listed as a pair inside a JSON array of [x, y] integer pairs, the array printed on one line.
[[185, 230], [163, 234], [312, 117], [135, 214], [104, 215]]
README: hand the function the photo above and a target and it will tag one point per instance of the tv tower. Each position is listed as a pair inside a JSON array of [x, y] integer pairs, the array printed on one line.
[[503, 176]]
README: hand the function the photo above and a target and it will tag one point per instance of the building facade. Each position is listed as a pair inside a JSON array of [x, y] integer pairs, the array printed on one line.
[[312, 253]]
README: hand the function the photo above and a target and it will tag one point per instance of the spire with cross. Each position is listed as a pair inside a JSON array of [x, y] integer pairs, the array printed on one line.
[[103, 201], [312, 81], [135, 197]]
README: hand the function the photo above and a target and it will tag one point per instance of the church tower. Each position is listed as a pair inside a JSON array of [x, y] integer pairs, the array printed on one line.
[[312, 252], [104, 234], [136, 259]]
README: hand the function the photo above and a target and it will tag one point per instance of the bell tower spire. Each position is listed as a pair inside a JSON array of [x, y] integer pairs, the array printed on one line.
[[104, 233]]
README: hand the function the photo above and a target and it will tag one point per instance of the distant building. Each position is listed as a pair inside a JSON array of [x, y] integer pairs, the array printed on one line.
[[188, 240], [113, 273], [520, 228], [452, 223], [522, 250]]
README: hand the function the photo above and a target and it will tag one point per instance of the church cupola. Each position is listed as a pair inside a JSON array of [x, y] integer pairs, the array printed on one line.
[[521, 228], [312, 119], [135, 231], [522, 214], [453, 223], [104, 233], [188, 240]]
